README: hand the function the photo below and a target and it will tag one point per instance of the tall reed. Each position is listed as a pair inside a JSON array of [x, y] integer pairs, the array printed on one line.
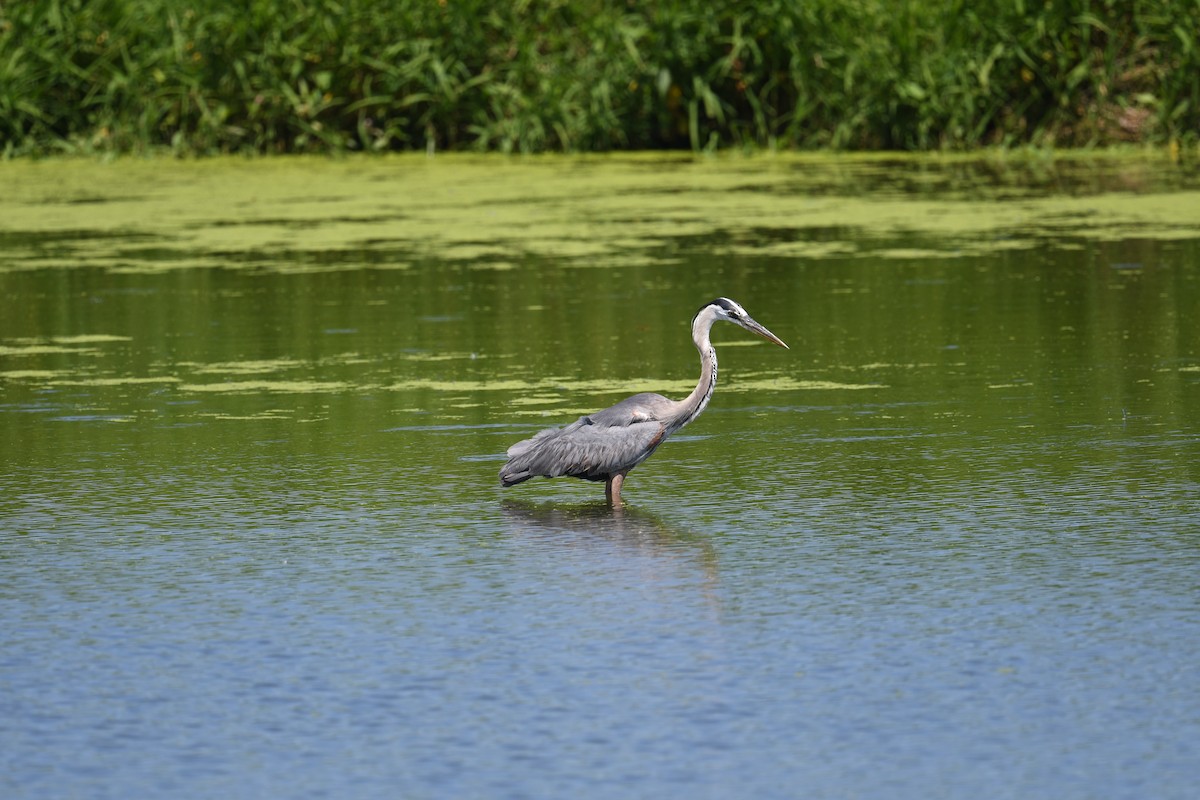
[[206, 76]]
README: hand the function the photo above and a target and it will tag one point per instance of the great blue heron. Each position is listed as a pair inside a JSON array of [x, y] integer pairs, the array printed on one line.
[[604, 446]]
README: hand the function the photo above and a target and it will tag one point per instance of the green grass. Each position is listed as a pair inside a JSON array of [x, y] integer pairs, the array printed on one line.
[[207, 76]]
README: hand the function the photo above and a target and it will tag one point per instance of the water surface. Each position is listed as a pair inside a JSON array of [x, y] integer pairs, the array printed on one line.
[[252, 541]]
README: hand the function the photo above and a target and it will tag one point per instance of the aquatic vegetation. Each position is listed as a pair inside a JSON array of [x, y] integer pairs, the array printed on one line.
[[489, 214], [280, 386]]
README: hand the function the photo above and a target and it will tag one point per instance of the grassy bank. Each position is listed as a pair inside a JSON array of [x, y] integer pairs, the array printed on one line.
[[327, 75]]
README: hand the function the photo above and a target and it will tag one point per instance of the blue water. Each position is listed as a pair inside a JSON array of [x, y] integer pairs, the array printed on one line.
[[306, 626]]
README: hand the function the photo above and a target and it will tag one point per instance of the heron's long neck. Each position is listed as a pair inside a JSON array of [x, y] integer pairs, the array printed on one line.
[[694, 403]]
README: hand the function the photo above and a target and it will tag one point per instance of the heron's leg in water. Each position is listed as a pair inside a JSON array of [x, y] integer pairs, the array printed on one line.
[[612, 489]]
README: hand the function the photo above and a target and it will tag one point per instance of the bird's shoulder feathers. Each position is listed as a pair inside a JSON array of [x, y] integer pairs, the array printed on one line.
[[644, 407]]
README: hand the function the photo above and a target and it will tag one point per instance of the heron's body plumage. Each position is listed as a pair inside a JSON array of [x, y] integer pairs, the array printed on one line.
[[594, 448]]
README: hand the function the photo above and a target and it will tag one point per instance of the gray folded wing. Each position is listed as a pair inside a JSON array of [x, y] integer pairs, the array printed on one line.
[[586, 448]]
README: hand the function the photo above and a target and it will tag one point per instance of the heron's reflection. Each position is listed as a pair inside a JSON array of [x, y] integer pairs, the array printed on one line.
[[623, 528]]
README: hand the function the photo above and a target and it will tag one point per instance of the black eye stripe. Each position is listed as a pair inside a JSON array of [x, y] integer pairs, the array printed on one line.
[[724, 306]]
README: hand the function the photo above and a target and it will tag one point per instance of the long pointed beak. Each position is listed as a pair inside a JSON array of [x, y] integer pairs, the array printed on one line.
[[754, 327]]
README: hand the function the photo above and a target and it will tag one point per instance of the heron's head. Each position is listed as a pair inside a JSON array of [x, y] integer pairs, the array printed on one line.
[[730, 311]]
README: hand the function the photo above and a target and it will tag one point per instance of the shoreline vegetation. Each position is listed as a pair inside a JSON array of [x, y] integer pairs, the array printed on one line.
[[332, 76]]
